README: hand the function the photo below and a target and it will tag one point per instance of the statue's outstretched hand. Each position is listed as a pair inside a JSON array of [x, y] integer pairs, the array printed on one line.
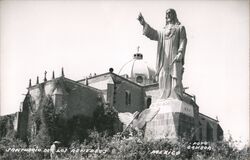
[[179, 57], [141, 19]]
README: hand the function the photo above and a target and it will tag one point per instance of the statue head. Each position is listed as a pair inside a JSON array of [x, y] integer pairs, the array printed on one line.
[[171, 17]]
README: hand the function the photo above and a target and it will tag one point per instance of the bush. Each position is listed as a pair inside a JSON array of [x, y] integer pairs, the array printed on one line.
[[101, 146], [136, 147], [105, 118]]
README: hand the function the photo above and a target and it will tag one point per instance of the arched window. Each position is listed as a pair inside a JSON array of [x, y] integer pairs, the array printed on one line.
[[209, 132], [149, 101], [127, 97]]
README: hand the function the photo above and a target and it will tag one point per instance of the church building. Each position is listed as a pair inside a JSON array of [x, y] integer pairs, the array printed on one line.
[[132, 89]]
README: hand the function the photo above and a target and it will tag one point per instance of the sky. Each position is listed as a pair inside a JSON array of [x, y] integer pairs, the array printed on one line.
[[91, 36]]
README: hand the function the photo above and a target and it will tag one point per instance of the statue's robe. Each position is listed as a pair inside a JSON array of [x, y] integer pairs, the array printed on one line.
[[170, 43]]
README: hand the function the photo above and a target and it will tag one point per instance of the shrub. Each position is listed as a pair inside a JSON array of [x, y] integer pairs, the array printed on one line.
[[105, 117], [101, 146]]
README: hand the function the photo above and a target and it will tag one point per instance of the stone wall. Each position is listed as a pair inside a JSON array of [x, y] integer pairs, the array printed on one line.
[[115, 89], [23, 118], [7, 126], [135, 95], [82, 100], [209, 129], [73, 99], [77, 98]]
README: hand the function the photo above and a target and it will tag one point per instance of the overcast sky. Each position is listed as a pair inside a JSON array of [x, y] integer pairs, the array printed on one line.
[[90, 37]]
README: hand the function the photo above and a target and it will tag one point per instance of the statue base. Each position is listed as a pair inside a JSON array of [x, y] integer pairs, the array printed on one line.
[[174, 118]]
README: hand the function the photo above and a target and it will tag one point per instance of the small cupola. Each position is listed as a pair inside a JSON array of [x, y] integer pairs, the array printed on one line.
[[138, 56]]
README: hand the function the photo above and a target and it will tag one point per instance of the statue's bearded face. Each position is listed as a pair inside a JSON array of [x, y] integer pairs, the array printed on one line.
[[169, 16]]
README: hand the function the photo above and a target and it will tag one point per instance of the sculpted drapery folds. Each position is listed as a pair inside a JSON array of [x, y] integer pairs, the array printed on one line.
[[170, 54]]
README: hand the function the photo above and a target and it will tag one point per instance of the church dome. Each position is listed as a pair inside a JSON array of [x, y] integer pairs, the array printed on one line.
[[137, 70]]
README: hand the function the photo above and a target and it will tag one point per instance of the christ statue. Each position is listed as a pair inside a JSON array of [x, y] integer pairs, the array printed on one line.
[[170, 54]]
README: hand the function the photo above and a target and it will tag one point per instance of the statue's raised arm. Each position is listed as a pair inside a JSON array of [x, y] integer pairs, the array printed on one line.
[[147, 30]]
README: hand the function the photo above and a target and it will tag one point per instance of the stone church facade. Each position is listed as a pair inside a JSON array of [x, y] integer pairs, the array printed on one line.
[[132, 89]]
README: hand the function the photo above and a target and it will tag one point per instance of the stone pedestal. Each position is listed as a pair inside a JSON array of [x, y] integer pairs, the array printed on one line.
[[170, 119]]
